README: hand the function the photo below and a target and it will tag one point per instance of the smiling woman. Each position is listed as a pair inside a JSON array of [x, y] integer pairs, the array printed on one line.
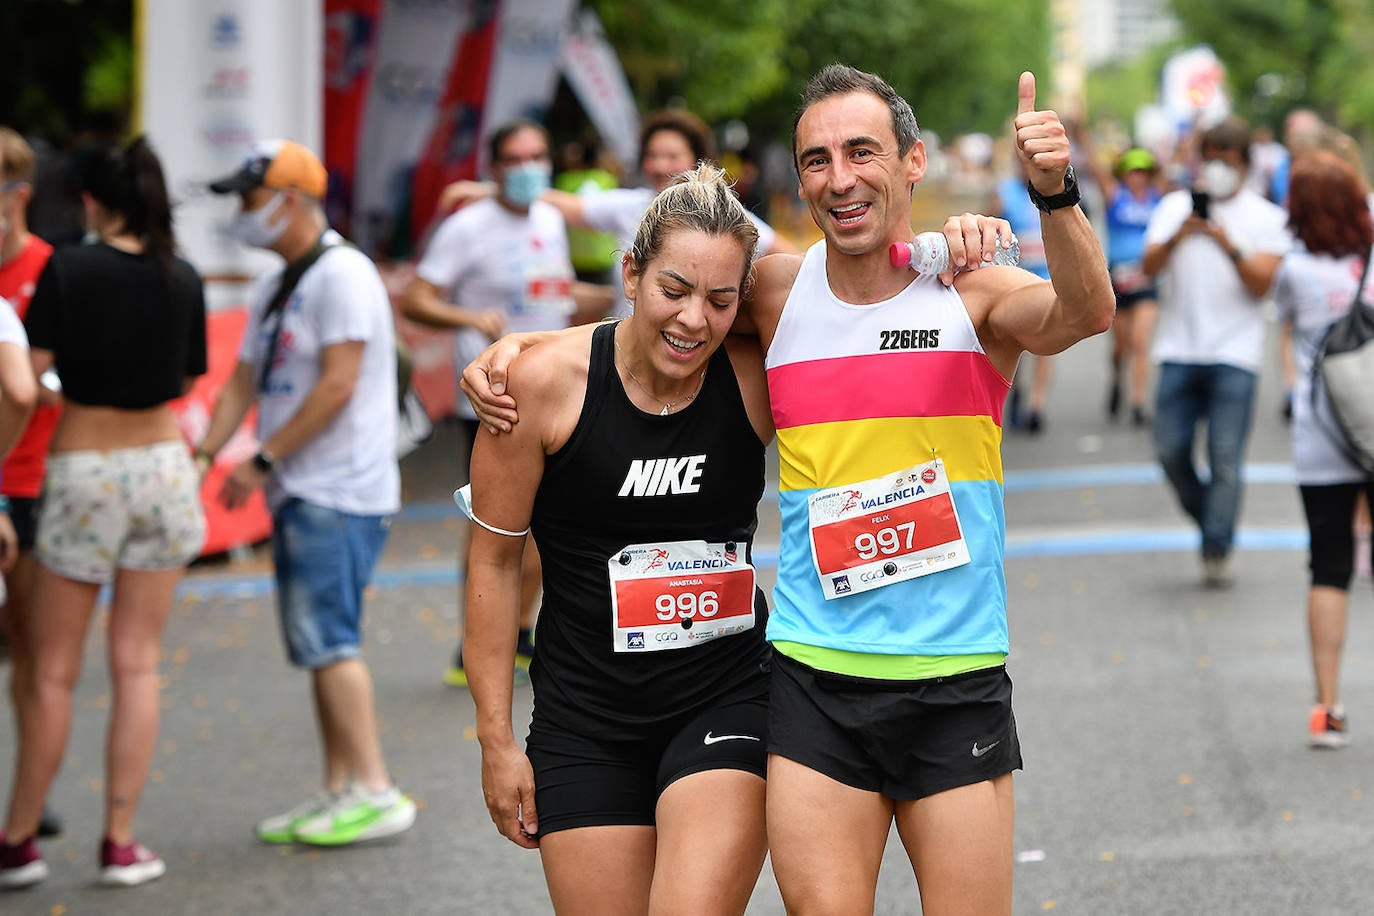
[[639, 468]]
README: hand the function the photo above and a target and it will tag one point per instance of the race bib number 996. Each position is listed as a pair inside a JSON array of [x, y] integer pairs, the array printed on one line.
[[885, 530], [678, 595]]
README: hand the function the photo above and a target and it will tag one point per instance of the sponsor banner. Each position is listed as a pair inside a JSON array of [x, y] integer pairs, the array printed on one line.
[[1192, 88], [414, 42], [593, 71], [349, 30], [215, 77], [505, 67]]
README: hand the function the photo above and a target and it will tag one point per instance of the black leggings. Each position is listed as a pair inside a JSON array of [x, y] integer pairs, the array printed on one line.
[[1330, 513]]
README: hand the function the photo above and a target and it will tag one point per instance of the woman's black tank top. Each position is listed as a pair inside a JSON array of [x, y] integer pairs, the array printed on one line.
[[597, 497]]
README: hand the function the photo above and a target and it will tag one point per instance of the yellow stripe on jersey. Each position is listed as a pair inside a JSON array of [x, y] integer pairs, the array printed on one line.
[[834, 454]]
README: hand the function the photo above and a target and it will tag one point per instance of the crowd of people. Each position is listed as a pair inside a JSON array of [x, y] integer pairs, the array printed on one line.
[[614, 499]]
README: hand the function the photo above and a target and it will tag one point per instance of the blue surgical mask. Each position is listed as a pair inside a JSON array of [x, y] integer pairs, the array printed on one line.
[[522, 184]]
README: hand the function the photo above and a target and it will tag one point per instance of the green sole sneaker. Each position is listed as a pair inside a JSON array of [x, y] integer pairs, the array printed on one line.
[[358, 822]]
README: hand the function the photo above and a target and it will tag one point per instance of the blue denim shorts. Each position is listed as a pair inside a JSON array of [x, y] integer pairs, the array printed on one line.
[[324, 559]]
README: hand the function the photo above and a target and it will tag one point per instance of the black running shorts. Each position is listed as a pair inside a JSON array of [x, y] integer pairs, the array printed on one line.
[[903, 739], [24, 517], [582, 782]]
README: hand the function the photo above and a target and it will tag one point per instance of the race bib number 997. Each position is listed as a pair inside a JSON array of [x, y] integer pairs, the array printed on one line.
[[889, 529]]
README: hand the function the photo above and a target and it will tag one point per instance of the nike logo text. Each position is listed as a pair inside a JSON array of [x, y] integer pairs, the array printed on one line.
[[661, 476], [712, 739], [980, 751]]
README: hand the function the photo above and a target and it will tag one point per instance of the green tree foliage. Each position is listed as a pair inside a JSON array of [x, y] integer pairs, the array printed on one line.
[[956, 60], [48, 47], [718, 58]]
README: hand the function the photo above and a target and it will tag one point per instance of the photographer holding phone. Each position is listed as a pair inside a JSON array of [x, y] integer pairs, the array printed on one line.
[[1215, 250]]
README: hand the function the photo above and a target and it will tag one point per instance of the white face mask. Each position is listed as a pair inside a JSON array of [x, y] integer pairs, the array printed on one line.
[[1219, 179], [253, 227]]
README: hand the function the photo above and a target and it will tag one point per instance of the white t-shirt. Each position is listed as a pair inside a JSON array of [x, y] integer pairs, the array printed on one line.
[[350, 465], [1312, 292], [487, 257], [11, 328], [619, 210], [1206, 316]]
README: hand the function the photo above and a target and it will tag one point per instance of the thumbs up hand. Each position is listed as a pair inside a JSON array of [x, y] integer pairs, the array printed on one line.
[[1041, 141]]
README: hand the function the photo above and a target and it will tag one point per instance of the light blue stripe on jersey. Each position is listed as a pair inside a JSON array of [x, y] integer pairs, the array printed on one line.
[[931, 615]]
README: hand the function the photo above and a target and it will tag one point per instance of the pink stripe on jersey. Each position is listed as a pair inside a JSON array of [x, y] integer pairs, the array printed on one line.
[[928, 383]]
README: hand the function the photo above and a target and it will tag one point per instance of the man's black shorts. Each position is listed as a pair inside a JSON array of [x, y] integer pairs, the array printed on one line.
[[580, 781], [903, 739]]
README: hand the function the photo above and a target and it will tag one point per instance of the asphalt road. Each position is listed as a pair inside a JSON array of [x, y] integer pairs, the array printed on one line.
[[1163, 726]]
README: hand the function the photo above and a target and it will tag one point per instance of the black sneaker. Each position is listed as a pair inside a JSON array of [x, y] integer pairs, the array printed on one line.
[[1114, 400], [50, 824]]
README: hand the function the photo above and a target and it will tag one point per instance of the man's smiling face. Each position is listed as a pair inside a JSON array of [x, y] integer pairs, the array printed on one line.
[[855, 182]]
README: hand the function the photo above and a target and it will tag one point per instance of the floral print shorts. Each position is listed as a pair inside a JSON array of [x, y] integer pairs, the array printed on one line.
[[130, 508]]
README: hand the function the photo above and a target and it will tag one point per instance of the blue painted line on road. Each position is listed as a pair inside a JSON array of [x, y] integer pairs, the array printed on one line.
[[1072, 543], [1097, 543], [1072, 478]]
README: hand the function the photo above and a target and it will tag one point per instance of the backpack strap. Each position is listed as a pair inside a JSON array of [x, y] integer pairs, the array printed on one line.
[[289, 278]]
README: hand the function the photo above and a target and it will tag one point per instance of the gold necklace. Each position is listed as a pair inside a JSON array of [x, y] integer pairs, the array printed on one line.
[[668, 406]]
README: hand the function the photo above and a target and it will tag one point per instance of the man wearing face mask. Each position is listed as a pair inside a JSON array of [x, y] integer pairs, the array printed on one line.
[[500, 265], [319, 360], [1216, 249]]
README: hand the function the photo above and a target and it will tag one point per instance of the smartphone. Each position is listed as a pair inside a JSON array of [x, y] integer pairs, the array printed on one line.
[[1202, 201]]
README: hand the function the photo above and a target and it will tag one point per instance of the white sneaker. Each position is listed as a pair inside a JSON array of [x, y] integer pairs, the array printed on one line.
[[1216, 572], [359, 815], [129, 866], [281, 828]]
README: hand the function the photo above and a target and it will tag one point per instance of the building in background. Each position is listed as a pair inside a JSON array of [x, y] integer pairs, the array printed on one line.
[[1122, 29]]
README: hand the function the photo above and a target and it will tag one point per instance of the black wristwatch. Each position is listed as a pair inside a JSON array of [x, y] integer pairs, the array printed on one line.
[[263, 462], [1068, 197]]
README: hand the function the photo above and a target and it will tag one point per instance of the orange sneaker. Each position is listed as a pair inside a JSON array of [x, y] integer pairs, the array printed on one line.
[[1326, 727]]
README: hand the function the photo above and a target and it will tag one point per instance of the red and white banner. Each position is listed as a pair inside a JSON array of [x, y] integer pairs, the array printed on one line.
[[413, 45], [505, 67], [594, 74], [350, 28]]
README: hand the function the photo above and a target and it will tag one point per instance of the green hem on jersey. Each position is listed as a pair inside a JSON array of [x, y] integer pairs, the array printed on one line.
[[886, 667]]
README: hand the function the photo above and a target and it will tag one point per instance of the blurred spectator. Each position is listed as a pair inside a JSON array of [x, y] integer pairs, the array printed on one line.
[[22, 257], [1013, 203], [1316, 285], [123, 321], [1215, 251], [593, 253], [318, 359], [1131, 189]]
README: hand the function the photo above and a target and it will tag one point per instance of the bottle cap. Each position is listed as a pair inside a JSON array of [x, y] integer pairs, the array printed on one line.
[[899, 254]]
